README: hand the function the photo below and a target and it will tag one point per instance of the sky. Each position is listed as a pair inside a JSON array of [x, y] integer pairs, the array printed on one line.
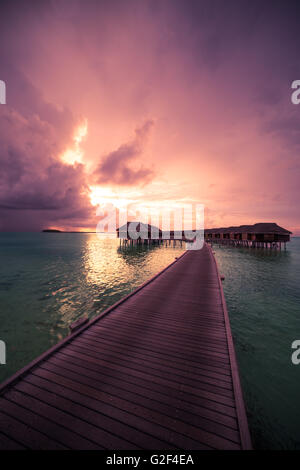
[[152, 103]]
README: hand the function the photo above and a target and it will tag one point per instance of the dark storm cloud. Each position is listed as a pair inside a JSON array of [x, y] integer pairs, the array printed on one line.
[[36, 187], [115, 167], [32, 178]]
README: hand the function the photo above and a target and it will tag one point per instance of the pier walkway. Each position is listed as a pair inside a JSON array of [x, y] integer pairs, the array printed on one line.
[[155, 371]]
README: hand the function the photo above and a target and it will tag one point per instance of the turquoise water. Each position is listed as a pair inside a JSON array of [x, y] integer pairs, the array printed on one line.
[[49, 280], [263, 299]]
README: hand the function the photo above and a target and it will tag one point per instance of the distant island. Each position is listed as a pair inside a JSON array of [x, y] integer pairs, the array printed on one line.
[[54, 230], [51, 230]]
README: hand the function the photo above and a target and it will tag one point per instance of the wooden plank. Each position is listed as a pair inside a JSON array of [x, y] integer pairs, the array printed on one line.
[[191, 430], [9, 444], [72, 416], [141, 417], [171, 334], [186, 370], [208, 349], [123, 384], [131, 414], [194, 349], [43, 417], [172, 355], [200, 357], [13, 426], [157, 369], [143, 373], [172, 390]]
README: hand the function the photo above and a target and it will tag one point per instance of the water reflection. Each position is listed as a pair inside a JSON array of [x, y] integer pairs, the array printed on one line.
[[50, 280], [101, 262], [259, 253], [135, 253]]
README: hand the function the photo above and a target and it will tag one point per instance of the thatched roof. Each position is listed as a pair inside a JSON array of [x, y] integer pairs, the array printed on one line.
[[268, 227], [139, 227]]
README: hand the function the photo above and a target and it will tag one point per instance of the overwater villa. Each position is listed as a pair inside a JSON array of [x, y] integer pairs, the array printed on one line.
[[260, 235], [139, 233]]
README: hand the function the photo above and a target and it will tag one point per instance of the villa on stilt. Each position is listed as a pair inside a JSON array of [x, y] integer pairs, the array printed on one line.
[[137, 233], [260, 235]]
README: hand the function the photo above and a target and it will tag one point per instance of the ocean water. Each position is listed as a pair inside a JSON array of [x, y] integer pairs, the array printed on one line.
[[262, 291], [49, 280]]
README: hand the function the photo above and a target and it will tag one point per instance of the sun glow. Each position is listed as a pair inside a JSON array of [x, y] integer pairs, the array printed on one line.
[[137, 206], [101, 195], [74, 154]]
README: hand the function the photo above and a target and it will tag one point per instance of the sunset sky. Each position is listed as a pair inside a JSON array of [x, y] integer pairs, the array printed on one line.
[[154, 102]]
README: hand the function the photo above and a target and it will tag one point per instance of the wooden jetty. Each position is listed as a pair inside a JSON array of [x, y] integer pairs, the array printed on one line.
[[155, 371], [260, 235]]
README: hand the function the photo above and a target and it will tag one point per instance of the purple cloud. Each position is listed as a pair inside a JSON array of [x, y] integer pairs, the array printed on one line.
[[118, 167], [36, 188]]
